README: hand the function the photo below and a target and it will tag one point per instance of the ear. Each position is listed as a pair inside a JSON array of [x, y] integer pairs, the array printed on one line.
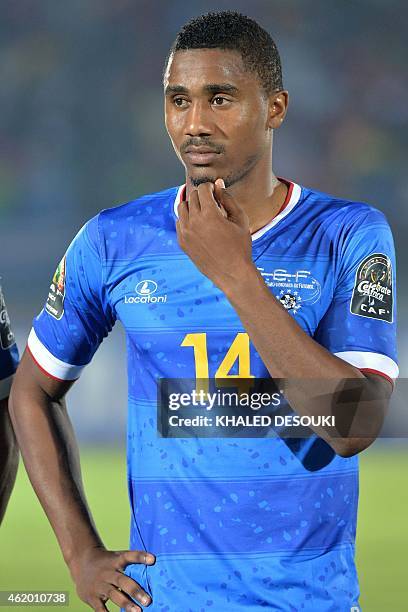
[[278, 106]]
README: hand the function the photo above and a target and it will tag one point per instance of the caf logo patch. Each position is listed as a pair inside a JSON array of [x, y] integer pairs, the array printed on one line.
[[6, 335], [372, 294], [56, 295]]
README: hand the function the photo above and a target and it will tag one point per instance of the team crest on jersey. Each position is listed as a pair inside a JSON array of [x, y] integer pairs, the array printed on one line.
[[290, 301], [56, 295], [6, 335], [297, 288], [372, 294]]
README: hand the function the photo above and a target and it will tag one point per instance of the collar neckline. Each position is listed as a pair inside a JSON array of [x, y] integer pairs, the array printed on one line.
[[292, 198]]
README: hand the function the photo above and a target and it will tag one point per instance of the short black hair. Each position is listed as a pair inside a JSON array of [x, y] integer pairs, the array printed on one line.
[[237, 32]]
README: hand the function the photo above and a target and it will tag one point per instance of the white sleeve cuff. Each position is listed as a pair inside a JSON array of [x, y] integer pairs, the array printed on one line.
[[364, 360], [48, 363], [5, 386]]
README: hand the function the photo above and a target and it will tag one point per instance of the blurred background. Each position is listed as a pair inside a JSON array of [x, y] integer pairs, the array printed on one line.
[[81, 129]]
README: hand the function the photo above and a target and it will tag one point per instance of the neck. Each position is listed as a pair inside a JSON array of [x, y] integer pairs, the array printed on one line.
[[259, 193]]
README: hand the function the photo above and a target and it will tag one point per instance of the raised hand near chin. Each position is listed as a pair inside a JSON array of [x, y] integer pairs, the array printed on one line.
[[213, 230]]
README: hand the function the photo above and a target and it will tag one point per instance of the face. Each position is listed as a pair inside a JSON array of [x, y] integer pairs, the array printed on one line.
[[217, 115]]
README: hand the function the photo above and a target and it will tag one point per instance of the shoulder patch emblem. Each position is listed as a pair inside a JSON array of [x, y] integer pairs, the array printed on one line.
[[56, 295], [372, 293]]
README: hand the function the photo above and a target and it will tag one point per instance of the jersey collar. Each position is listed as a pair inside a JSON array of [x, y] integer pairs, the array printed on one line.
[[292, 198]]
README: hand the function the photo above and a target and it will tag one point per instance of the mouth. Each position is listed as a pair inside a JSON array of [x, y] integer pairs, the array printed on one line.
[[201, 156]]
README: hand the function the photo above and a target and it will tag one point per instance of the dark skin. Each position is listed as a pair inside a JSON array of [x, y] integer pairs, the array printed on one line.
[[240, 122], [8, 457], [238, 129], [212, 100], [51, 457]]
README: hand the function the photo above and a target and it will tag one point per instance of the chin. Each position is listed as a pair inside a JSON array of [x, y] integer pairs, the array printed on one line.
[[203, 178]]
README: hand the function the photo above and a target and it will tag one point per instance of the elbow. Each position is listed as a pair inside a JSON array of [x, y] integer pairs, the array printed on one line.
[[348, 447]]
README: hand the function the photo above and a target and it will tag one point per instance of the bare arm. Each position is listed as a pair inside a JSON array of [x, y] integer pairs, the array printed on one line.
[[8, 457], [221, 248], [318, 383], [50, 453]]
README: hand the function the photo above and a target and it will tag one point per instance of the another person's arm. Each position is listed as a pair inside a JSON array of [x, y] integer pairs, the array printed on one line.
[[8, 444]]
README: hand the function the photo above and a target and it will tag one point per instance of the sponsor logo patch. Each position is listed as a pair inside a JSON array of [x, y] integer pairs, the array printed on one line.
[[372, 294], [56, 295], [145, 290], [6, 335]]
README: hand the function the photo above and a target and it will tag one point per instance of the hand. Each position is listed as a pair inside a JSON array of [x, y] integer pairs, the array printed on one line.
[[98, 576], [213, 231]]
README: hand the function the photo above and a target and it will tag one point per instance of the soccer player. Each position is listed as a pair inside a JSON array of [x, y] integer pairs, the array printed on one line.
[[235, 273], [8, 444]]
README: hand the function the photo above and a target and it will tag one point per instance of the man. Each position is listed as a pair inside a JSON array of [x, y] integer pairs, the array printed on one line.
[[8, 444], [194, 273]]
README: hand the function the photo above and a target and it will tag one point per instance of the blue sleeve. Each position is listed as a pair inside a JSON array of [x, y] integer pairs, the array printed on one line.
[[77, 315], [360, 323], [8, 350]]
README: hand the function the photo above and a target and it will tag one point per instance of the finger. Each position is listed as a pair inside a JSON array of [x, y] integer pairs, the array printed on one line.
[[123, 601], [183, 212], [100, 607], [126, 557], [132, 588], [208, 202], [193, 204], [234, 211], [219, 185], [180, 234]]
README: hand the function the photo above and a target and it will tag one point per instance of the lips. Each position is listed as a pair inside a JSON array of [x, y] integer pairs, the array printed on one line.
[[201, 155]]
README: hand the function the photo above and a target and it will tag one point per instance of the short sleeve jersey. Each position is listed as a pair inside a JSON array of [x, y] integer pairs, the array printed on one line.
[[235, 523], [8, 350]]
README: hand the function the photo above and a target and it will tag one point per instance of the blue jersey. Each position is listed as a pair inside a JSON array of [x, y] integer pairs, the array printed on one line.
[[237, 523], [8, 350]]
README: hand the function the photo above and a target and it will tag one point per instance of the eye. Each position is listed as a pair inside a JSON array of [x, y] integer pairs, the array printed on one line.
[[180, 102], [219, 100]]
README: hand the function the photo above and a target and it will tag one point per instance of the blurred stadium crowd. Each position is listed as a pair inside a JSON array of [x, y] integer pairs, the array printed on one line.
[[81, 124]]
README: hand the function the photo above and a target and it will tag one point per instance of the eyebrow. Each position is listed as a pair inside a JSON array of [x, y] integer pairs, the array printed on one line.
[[212, 88]]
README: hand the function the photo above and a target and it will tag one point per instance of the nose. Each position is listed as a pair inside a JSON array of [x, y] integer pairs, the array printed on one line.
[[198, 119]]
